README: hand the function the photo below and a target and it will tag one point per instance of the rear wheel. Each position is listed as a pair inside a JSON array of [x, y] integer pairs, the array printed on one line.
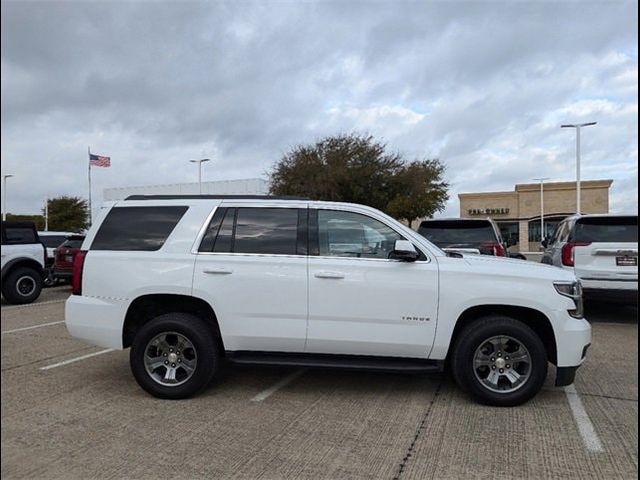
[[499, 361], [174, 356], [22, 285]]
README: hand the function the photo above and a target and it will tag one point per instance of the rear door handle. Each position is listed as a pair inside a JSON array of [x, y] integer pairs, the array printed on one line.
[[334, 275], [217, 271]]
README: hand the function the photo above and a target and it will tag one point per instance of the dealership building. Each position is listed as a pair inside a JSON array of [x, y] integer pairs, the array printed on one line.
[[247, 186], [518, 212]]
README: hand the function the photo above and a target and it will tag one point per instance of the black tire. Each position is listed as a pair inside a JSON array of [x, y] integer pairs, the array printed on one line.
[[201, 337], [48, 280], [22, 285], [476, 334]]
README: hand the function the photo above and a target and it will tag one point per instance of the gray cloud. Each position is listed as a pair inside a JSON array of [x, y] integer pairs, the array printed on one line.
[[483, 86]]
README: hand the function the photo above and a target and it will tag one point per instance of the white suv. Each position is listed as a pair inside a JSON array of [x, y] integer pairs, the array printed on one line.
[[602, 250], [187, 281], [23, 262]]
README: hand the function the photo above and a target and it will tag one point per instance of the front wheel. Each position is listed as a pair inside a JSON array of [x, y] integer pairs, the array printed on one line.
[[499, 361], [174, 356]]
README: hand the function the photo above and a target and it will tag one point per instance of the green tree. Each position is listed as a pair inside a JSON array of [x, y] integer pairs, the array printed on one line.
[[345, 168], [356, 168], [68, 214], [423, 191]]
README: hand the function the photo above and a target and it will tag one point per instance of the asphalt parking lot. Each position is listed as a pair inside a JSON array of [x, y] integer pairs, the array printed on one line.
[[73, 411]]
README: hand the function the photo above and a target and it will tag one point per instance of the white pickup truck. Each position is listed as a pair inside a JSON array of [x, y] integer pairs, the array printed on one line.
[[187, 281], [23, 262], [602, 251]]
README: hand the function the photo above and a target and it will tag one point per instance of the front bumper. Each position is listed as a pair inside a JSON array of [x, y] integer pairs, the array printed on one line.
[[573, 338], [565, 376]]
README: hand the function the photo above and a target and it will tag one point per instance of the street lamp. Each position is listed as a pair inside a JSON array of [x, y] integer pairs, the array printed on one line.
[[4, 192], [578, 126], [199, 162], [542, 179]]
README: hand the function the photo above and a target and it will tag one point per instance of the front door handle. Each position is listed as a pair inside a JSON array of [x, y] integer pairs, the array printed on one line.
[[217, 271], [334, 275]]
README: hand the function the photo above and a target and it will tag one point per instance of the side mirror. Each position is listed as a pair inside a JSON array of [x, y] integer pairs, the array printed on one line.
[[511, 241], [544, 243], [404, 251]]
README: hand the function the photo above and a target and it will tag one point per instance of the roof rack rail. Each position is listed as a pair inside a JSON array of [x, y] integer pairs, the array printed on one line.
[[213, 197]]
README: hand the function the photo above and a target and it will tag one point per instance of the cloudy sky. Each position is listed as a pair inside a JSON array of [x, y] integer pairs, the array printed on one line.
[[484, 86]]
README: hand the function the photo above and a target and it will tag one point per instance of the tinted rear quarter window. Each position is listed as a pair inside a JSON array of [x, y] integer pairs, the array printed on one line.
[[457, 233], [137, 228], [606, 229]]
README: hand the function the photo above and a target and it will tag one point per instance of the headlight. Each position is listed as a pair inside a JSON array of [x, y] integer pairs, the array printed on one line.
[[573, 290]]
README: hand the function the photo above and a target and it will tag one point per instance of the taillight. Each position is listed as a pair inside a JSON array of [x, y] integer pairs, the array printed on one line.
[[495, 248], [567, 252], [76, 279]]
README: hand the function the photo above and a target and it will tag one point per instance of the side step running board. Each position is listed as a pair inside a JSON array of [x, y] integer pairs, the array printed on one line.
[[351, 362]]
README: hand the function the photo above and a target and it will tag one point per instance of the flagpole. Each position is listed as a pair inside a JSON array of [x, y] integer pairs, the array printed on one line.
[[89, 151]]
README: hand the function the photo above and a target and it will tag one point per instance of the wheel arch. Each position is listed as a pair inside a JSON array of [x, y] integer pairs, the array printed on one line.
[[21, 262], [146, 307], [531, 317]]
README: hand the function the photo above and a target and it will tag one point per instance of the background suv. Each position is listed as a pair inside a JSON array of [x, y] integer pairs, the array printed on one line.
[[23, 262], [64, 256], [480, 236], [602, 250], [188, 281]]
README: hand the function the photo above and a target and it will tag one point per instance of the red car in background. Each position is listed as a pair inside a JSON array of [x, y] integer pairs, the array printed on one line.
[[65, 254]]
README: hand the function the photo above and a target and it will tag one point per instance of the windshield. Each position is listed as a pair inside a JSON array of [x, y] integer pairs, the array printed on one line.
[[52, 241], [606, 229], [72, 243], [457, 233]]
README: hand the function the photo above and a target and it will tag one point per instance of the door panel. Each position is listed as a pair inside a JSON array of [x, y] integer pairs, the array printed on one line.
[[362, 303], [371, 307], [260, 301], [252, 268]]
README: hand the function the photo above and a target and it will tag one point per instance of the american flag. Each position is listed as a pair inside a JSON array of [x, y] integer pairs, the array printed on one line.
[[99, 161]]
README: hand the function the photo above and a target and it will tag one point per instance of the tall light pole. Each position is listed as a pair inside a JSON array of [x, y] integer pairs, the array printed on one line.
[[199, 162], [4, 193], [578, 126], [541, 180], [46, 215]]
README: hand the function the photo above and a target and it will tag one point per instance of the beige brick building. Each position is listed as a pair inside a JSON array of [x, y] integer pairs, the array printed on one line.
[[518, 212]]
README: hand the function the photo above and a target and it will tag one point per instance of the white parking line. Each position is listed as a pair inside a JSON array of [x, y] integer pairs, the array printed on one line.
[[277, 386], [77, 359], [32, 327], [585, 427], [28, 305]]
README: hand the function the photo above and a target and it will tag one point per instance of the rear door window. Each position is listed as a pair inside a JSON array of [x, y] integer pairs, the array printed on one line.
[[265, 231], [137, 228], [606, 230]]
